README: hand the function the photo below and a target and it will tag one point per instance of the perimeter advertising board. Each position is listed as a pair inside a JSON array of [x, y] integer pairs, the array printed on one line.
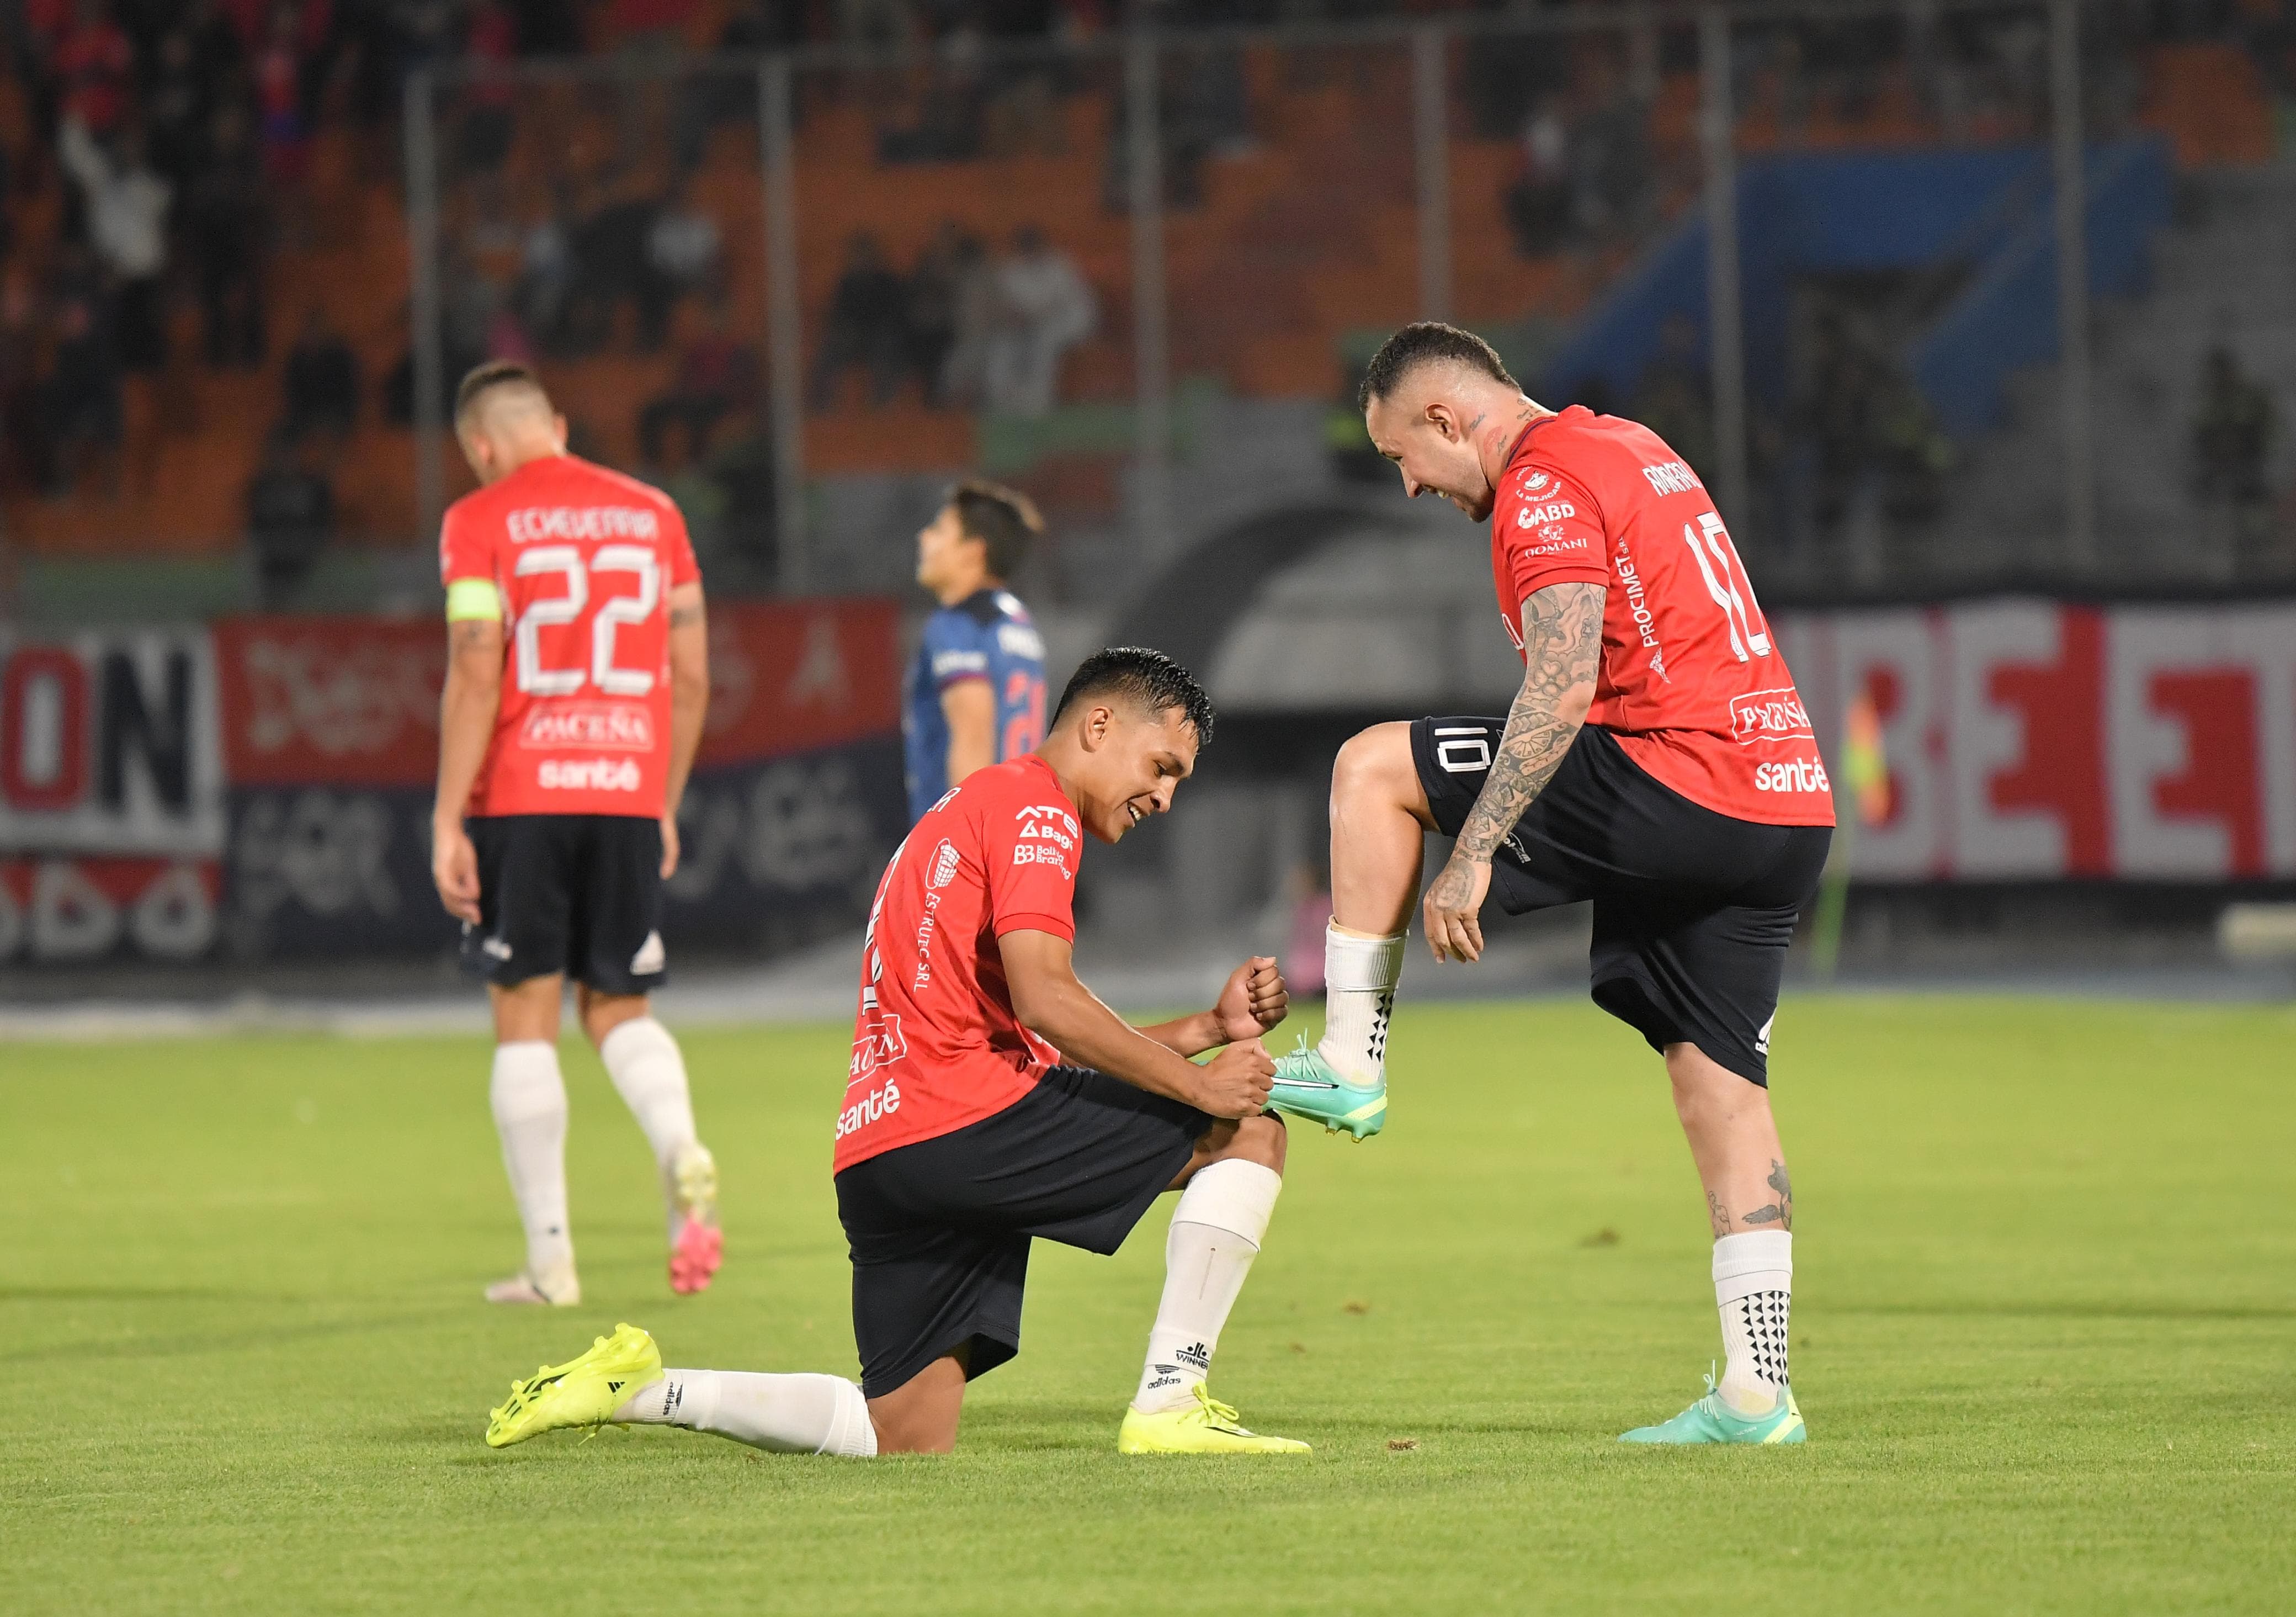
[[263, 788]]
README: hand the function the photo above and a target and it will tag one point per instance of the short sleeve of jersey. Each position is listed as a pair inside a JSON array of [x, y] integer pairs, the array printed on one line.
[[1550, 530], [678, 549], [465, 550], [1032, 845], [956, 647]]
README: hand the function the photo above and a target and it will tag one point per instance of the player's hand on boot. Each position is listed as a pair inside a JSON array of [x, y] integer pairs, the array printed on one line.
[[455, 867], [1454, 908], [1254, 1000], [1235, 1083]]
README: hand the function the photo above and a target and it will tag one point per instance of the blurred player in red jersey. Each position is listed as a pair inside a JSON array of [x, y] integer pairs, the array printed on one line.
[[1657, 760], [994, 1100], [576, 674]]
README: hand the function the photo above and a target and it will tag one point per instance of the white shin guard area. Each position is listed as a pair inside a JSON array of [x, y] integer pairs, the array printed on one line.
[[1217, 1231], [1753, 1287], [1359, 978], [528, 1098], [802, 1414]]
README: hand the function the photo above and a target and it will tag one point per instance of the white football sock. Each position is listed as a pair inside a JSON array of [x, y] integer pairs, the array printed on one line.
[[786, 1414], [530, 1105], [649, 1074], [1359, 978], [1753, 1285], [1217, 1230]]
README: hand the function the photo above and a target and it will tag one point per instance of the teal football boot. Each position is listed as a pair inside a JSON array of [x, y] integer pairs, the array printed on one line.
[[1710, 1420], [1306, 1087]]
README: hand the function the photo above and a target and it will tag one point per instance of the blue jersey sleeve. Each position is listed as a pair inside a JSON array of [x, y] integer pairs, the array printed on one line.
[[956, 647]]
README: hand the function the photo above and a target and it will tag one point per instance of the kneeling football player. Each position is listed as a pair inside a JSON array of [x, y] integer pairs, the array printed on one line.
[[993, 1099]]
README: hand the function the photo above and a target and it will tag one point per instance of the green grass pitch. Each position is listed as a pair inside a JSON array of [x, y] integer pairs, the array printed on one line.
[[2045, 1329]]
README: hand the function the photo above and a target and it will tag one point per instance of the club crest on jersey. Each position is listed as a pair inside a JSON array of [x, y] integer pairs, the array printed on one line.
[[1537, 483]]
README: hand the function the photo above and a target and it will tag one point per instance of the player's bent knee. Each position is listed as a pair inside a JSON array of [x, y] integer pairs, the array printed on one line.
[[1259, 1139], [602, 1013], [1374, 763]]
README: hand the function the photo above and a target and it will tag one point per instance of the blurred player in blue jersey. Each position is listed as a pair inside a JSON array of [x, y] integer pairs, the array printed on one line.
[[975, 694]]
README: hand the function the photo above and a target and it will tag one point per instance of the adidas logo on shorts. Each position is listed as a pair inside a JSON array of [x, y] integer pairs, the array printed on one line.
[[651, 956]]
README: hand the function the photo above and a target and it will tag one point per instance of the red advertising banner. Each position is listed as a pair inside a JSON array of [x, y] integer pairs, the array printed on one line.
[[792, 678], [354, 702], [2030, 740]]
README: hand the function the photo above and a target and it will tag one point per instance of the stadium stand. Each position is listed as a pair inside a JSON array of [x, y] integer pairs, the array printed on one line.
[[1292, 227]]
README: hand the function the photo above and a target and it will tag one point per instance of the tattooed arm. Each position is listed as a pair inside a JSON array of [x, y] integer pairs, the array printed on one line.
[[1562, 646]]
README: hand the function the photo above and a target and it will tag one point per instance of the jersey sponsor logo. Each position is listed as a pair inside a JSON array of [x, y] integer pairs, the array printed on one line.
[[1038, 853], [874, 1107], [531, 523], [944, 862], [1639, 608], [1672, 477], [1553, 539], [1531, 516], [1044, 822], [1019, 640], [620, 727], [588, 774], [1773, 715], [879, 1045], [947, 665], [1798, 775], [926, 927]]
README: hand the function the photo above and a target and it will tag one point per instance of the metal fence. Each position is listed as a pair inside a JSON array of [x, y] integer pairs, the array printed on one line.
[[1846, 255]]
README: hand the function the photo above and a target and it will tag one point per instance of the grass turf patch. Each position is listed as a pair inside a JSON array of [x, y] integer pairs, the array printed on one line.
[[2042, 1332]]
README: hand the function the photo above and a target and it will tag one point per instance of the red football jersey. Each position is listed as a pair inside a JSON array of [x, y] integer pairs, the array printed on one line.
[[1690, 681], [935, 1043], [585, 559]]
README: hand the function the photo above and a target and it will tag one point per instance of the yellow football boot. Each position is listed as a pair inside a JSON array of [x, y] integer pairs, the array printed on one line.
[[1206, 1426], [584, 1391]]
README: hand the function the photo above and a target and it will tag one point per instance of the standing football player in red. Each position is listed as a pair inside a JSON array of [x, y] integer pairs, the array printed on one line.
[[576, 674], [1657, 760]]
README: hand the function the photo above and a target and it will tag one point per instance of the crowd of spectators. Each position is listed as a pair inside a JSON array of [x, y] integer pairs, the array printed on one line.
[[165, 148], [973, 329]]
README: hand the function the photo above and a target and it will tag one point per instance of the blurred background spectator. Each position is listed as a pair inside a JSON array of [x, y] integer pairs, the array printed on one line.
[[866, 327], [322, 391], [291, 509], [1045, 308]]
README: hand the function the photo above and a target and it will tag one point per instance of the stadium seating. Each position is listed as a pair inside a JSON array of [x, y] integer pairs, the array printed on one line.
[[1301, 235]]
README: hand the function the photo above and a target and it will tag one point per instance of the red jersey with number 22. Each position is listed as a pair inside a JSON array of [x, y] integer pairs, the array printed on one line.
[[584, 560], [1690, 681], [936, 1045]]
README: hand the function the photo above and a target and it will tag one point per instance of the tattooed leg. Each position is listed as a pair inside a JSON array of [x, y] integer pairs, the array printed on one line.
[[1750, 1205], [1734, 1141]]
